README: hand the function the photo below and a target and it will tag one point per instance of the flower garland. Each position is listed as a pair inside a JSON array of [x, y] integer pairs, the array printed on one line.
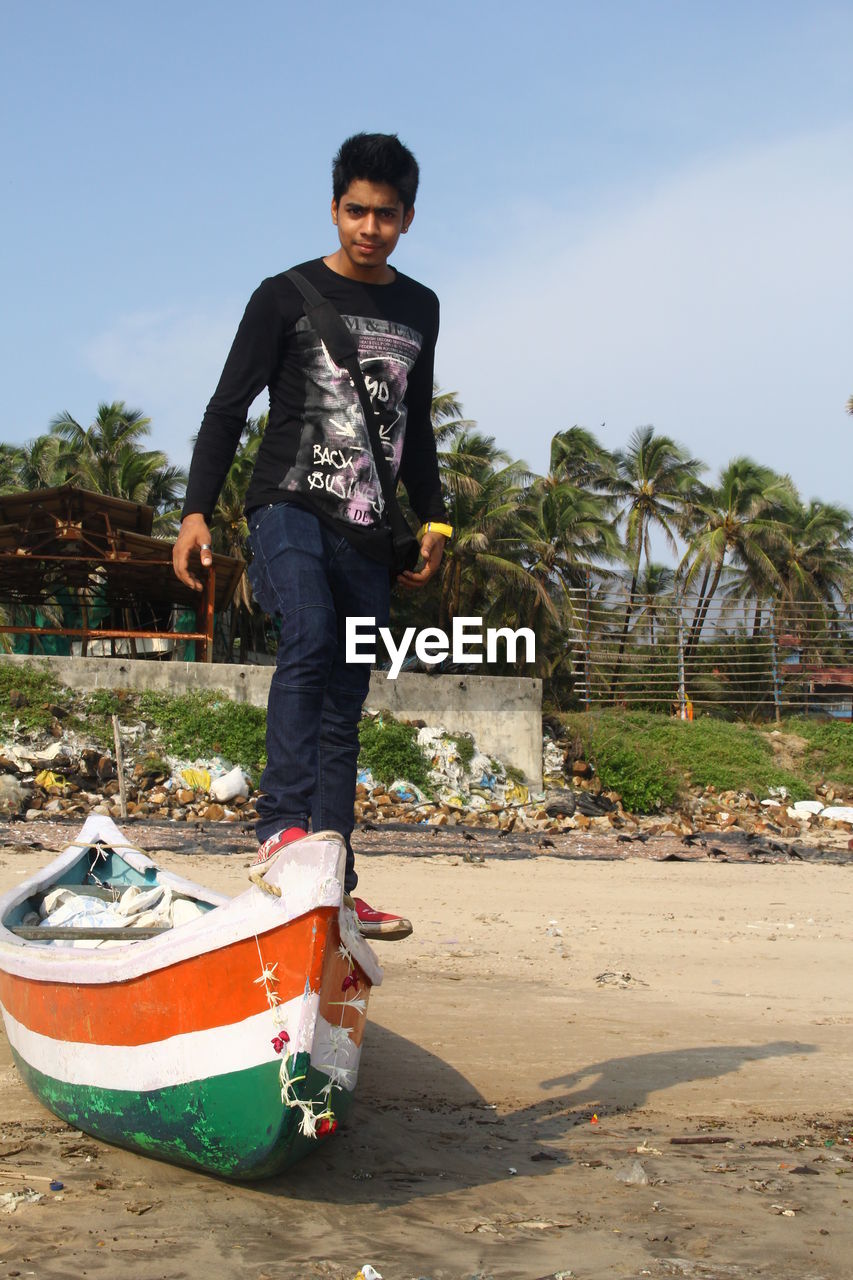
[[317, 1117]]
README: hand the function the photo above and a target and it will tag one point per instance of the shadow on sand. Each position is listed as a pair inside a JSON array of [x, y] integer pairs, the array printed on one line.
[[419, 1127]]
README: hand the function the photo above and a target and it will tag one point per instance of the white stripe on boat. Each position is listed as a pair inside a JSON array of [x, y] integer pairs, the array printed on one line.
[[195, 1055]]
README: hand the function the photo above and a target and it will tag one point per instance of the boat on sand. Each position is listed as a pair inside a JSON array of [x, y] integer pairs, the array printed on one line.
[[220, 1033]]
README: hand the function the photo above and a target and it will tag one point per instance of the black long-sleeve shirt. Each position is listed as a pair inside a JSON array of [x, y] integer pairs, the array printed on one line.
[[316, 451]]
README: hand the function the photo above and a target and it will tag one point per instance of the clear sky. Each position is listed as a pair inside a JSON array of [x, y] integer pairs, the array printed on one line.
[[633, 212]]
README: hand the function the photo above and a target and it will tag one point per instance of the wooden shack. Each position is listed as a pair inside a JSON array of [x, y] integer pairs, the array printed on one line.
[[84, 567]]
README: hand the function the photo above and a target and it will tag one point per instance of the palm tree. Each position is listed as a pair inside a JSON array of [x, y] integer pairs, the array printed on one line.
[[146, 477], [10, 463], [446, 415], [655, 585], [166, 488], [483, 492], [107, 457], [230, 532], [738, 520], [566, 535], [816, 570], [817, 560], [567, 531], [37, 464], [656, 480], [578, 457], [95, 453]]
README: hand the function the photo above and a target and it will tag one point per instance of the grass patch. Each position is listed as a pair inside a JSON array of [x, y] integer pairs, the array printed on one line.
[[829, 755], [94, 712], [153, 765], [390, 750], [38, 687], [652, 760], [200, 725], [102, 702], [464, 745]]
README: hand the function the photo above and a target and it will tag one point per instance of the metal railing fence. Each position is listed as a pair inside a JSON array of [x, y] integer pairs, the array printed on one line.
[[673, 654]]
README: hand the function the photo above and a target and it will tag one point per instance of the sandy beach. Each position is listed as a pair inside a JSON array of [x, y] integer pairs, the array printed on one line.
[[596, 1068]]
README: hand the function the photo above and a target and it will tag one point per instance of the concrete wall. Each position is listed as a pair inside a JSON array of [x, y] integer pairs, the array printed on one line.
[[504, 715]]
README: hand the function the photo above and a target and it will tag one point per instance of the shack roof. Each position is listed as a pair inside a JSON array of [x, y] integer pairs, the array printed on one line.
[[98, 546]]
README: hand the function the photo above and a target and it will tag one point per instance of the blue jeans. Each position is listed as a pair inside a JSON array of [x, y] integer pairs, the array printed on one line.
[[313, 579]]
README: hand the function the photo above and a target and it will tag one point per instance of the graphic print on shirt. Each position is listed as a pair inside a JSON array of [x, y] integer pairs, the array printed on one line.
[[334, 462]]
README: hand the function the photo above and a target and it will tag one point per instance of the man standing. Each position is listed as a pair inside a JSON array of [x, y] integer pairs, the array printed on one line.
[[318, 524]]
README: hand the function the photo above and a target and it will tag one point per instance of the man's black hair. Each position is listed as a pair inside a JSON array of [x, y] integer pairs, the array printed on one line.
[[376, 157]]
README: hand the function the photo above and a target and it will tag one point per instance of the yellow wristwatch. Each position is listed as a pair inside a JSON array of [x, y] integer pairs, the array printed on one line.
[[434, 526]]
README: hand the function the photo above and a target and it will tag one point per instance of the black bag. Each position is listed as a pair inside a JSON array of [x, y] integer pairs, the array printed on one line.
[[329, 326]]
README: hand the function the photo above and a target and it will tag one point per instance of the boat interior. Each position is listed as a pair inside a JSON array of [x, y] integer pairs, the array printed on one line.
[[101, 897]]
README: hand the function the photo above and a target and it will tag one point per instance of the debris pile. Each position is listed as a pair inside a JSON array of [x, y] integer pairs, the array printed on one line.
[[772, 815], [73, 777], [44, 775]]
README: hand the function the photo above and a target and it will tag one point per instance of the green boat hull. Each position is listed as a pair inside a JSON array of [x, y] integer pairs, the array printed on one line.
[[233, 1125]]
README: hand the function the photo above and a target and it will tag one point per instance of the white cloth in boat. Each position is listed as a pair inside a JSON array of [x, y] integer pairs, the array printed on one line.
[[141, 908]]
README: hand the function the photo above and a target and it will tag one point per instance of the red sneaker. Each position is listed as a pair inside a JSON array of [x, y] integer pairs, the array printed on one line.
[[274, 844], [380, 925]]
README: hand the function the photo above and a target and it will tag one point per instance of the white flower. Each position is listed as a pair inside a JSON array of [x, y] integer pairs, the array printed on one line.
[[267, 975], [308, 1123], [338, 1075], [339, 1036], [359, 1005]]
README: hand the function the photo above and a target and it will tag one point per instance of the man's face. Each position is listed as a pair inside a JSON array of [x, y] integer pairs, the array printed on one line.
[[370, 220]]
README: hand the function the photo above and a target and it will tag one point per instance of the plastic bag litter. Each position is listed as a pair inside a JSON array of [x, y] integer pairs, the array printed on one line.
[[838, 812], [12, 794], [367, 1272], [452, 798], [481, 766], [47, 778], [517, 793], [197, 779], [406, 792], [21, 763], [446, 765], [11, 1199], [230, 785], [802, 808], [632, 1174]]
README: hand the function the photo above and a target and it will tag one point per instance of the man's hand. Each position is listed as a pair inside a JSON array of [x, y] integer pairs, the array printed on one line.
[[194, 535], [432, 549]]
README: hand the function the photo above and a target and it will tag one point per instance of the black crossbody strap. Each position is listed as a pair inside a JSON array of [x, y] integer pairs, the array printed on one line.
[[329, 326]]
